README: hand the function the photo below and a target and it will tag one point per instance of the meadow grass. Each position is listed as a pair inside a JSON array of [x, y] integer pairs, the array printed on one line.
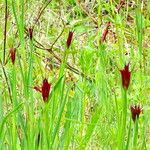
[[91, 100]]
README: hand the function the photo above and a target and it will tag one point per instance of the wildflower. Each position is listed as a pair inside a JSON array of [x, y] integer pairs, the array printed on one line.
[[12, 53], [125, 74], [69, 39], [135, 110], [45, 89]]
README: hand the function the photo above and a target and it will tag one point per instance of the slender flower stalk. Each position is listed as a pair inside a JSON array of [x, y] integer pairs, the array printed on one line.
[[126, 75], [44, 89], [69, 39], [12, 53], [135, 137], [65, 56], [123, 120]]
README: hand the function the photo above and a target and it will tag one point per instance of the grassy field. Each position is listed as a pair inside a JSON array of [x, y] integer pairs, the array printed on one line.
[[75, 75]]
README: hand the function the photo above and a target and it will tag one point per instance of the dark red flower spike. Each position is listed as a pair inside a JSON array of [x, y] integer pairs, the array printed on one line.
[[12, 53], [69, 39], [45, 89], [125, 75], [135, 111]]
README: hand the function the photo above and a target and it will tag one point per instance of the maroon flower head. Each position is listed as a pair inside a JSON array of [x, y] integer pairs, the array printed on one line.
[[69, 39], [135, 110], [12, 53], [125, 75], [45, 89]]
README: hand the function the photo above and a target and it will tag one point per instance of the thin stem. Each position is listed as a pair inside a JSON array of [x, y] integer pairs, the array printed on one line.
[[123, 121], [135, 135], [41, 12], [129, 135]]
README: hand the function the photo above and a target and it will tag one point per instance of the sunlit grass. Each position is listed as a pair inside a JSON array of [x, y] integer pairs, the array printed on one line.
[[80, 49]]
